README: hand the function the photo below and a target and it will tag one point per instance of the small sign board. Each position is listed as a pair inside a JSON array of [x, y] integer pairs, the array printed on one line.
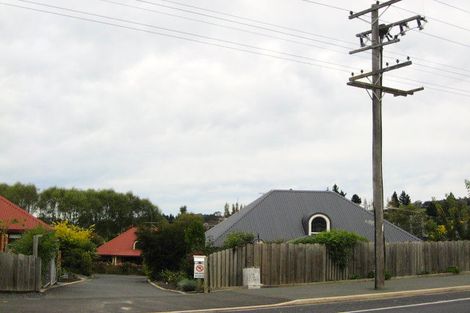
[[199, 266]]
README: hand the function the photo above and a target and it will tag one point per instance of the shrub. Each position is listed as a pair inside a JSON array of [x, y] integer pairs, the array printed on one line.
[[339, 244], [126, 268], [387, 275], [237, 239], [47, 248], [453, 269], [170, 246], [78, 251], [172, 277], [187, 285]]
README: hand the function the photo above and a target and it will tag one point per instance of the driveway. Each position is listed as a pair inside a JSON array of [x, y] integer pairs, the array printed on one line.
[[120, 293], [103, 293]]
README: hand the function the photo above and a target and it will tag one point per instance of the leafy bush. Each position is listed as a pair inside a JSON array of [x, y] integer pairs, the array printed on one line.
[[237, 239], [170, 246], [47, 248], [453, 269], [126, 268], [78, 251], [387, 275], [187, 285], [339, 244], [172, 277]]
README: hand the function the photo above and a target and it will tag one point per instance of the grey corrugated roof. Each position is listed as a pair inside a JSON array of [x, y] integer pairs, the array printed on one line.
[[278, 215]]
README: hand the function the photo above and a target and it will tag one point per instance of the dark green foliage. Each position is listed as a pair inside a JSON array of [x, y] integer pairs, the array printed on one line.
[[410, 218], [172, 277], [24, 195], [394, 202], [340, 192], [404, 199], [339, 243], [126, 268], [238, 239], [356, 199], [111, 212], [453, 269], [354, 277], [388, 276], [226, 210], [452, 220], [47, 248], [187, 285], [170, 246]]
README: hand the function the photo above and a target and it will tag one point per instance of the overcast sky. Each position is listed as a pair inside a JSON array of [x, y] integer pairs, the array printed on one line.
[[93, 105]]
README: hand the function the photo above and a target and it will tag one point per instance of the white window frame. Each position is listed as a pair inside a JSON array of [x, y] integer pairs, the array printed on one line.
[[326, 218], [133, 246]]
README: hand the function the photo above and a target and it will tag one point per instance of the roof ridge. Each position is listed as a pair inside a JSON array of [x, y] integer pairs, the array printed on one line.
[[300, 190]]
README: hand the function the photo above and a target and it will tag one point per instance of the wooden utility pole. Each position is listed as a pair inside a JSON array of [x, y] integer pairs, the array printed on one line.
[[377, 36]]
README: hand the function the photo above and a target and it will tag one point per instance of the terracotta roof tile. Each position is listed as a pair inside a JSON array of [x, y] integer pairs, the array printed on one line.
[[121, 245], [17, 219]]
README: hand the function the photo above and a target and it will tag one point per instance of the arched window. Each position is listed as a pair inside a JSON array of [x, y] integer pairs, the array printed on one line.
[[135, 245], [318, 223]]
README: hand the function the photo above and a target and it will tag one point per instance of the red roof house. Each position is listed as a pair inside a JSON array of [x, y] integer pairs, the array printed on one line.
[[121, 247], [14, 220]]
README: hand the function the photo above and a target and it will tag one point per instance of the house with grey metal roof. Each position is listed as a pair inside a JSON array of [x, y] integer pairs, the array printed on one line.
[[289, 214]]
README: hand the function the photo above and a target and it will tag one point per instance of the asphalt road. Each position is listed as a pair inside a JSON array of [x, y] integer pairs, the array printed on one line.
[[117, 293], [104, 293], [114, 293], [439, 303]]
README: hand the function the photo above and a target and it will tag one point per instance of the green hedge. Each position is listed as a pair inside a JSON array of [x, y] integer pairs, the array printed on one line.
[[126, 268], [339, 244]]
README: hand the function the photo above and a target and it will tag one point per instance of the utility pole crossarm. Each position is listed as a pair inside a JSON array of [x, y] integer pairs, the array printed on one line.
[[387, 69], [374, 46], [376, 7], [387, 27], [393, 91]]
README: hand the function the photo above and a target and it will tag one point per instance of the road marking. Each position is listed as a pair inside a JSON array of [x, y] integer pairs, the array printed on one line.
[[323, 300], [409, 305]]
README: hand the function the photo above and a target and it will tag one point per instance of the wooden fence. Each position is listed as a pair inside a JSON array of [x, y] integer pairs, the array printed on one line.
[[284, 264], [19, 272]]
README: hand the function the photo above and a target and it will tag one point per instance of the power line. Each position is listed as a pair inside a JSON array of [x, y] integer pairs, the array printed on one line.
[[441, 89], [249, 25], [329, 65], [222, 26], [324, 64], [465, 45], [431, 84], [452, 6], [435, 36], [244, 30], [248, 19], [183, 33], [258, 21], [433, 18], [326, 5]]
